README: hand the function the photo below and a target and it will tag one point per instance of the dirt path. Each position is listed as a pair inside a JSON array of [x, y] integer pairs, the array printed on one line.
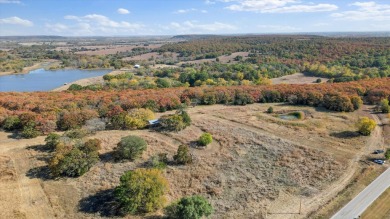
[[28, 199]]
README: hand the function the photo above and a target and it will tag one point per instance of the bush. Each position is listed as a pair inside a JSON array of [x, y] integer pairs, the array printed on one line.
[[141, 191], [384, 106], [270, 109], [172, 122], [159, 161], [194, 207], [73, 164], [92, 145], [130, 147], [94, 125], [183, 155], [298, 114], [318, 80], [205, 139], [11, 123], [29, 131], [387, 154], [356, 102], [76, 133], [75, 87], [365, 126], [52, 140]]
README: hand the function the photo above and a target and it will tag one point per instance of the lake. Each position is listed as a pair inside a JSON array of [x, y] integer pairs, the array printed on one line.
[[45, 80]]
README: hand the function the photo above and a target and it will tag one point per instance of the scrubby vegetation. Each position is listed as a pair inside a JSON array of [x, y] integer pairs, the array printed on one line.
[[193, 207], [141, 191]]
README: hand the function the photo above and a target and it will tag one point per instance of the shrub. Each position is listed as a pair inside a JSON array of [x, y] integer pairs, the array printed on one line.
[[318, 80], [384, 106], [172, 122], [270, 109], [205, 139], [141, 191], [159, 161], [94, 125], [186, 118], [387, 154], [29, 131], [11, 123], [183, 155], [193, 207], [73, 164], [52, 140], [356, 102], [71, 160], [75, 87], [365, 125], [76, 133], [130, 147], [92, 145], [298, 114]]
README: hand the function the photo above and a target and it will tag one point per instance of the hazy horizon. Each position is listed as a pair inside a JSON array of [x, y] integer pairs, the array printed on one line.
[[175, 17]]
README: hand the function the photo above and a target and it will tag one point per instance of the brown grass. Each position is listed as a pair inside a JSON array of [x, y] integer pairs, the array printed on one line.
[[380, 209]]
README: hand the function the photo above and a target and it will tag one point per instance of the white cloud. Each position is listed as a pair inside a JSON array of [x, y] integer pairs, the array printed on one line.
[[277, 6], [366, 11], [185, 11], [123, 11], [10, 2], [196, 27], [278, 28], [16, 21], [94, 24]]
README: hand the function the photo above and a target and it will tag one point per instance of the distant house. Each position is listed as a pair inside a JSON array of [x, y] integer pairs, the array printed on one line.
[[137, 66]]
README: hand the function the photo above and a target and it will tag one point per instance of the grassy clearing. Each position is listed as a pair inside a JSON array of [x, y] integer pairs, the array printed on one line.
[[380, 208], [361, 180]]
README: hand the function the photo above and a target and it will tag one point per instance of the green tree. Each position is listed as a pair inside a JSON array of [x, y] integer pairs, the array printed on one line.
[[11, 123], [270, 109], [141, 191], [365, 125], [29, 131], [357, 102], [205, 139], [193, 207], [183, 155], [130, 147]]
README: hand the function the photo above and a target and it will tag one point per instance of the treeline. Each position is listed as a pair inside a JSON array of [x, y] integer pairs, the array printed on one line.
[[43, 112]]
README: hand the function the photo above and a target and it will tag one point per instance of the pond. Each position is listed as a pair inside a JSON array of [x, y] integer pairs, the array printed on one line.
[[45, 80], [288, 117]]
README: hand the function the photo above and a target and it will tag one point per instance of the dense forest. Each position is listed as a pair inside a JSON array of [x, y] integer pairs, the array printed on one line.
[[345, 59], [43, 112]]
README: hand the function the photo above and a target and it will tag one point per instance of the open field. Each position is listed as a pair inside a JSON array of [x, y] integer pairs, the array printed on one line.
[[297, 78], [258, 164]]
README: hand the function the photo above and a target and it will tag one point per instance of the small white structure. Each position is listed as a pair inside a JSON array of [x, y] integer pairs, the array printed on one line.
[[137, 66]]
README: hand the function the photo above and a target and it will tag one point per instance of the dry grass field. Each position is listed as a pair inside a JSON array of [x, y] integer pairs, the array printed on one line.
[[257, 165], [380, 209], [297, 78]]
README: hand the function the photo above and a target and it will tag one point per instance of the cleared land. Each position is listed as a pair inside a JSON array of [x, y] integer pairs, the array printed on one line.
[[297, 78], [257, 165]]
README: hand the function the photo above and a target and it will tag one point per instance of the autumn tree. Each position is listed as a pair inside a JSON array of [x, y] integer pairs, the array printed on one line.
[[141, 191], [365, 125]]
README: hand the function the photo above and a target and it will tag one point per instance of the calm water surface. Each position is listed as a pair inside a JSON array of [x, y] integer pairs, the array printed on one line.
[[44, 80]]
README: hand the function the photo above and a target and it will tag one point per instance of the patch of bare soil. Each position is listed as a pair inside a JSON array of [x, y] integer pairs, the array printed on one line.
[[230, 58], [297, 78], [256, 165]]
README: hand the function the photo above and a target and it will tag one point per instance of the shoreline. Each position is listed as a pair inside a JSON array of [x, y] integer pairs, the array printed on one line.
[[26, 70], [86, 81]]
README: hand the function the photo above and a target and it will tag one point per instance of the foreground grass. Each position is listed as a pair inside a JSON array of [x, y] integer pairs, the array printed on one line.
[[361, 180], [380, 208]]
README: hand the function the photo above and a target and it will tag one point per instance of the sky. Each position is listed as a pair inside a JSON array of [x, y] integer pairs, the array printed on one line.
[[173, 17]]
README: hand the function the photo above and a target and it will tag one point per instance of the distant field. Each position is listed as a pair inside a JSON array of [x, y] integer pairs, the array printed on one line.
[[297, 78], [107, 49]]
